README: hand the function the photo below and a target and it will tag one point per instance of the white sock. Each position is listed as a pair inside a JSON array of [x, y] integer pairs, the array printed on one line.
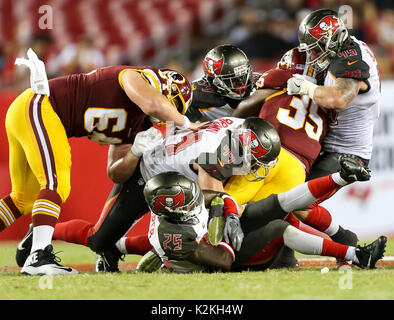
[[332, 229], [121, 245], [351, 254], [302, 241], [42, 236]]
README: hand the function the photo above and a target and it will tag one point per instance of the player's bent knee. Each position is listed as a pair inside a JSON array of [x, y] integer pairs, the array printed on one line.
[[24, 207], [277, 227]]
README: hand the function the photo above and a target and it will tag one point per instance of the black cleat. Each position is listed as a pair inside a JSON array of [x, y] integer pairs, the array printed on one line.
[[370, 254], [108, 260], [24, 247], [285, 259], [45, 262], [353, 168]]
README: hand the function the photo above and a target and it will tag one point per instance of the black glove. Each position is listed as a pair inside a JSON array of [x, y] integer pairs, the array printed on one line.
[[233, 232], [352, 169]]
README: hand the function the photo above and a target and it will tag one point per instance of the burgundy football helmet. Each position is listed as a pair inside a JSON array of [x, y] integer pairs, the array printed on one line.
[[294, 61], [176, 88]]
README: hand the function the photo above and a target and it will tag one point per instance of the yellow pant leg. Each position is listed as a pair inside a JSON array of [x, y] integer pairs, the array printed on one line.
[[288, 173], [40, 155]]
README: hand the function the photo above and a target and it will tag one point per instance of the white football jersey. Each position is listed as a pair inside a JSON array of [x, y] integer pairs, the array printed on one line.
[[179, 151], [351, 129]]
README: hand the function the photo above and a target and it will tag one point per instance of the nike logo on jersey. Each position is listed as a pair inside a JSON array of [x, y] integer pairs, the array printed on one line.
[[352, 62]]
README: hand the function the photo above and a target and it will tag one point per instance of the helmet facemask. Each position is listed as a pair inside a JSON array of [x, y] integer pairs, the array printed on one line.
[[234, 85], [254, 151]]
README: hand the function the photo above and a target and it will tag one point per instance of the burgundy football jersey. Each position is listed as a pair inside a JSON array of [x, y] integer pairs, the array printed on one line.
[[95, 105], [300, 122]]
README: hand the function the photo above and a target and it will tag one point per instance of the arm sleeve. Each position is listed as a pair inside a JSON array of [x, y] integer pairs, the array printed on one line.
[[204, 98], [352, 68]]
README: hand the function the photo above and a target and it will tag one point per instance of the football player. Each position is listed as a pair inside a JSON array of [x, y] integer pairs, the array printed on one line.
[[351, 90], [228, 79], [110, 106], [178, 234], [208, 156], [302, 125]]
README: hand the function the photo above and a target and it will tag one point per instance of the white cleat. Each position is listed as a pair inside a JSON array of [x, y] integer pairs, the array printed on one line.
[[45, 262]]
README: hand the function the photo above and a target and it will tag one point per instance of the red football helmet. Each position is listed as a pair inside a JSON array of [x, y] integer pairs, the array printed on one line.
[[294, 61], [176, 88]]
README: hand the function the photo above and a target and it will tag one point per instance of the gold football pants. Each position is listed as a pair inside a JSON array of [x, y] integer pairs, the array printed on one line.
[[39, 158], [287, 174]]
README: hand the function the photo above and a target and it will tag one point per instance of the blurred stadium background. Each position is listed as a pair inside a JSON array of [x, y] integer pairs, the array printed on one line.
[[73, 36]]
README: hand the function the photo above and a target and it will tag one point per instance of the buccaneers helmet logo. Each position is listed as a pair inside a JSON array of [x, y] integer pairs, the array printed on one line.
[[212, 66], [324, 26], [256, 147], [163, 202]]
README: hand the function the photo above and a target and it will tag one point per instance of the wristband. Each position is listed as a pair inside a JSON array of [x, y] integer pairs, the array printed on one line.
[[230, 205], [186, 125]]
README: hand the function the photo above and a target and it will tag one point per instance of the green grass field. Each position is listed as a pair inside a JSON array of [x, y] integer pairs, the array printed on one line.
[[305, 283]]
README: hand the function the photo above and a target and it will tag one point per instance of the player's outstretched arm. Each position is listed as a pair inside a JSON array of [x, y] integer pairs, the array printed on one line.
[[123, 159], [121, 163], [340, 94], [150, 100], [250, 107], [214, 257], [337, 96]]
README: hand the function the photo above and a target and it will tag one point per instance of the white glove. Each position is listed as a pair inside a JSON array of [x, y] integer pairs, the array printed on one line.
[[301, 85], [146, 140], [38, 76]]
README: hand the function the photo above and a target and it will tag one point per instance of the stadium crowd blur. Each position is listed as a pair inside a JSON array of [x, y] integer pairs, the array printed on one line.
[[73, 36]]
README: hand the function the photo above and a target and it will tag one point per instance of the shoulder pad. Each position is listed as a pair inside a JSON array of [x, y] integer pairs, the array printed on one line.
[[274, 79], [349, 64], [257, 75], [204, 96]]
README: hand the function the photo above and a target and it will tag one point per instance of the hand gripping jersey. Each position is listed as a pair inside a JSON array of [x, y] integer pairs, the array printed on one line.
[[208, 105], [95, 104], [351, 129], [300, 122], [179, 151]]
